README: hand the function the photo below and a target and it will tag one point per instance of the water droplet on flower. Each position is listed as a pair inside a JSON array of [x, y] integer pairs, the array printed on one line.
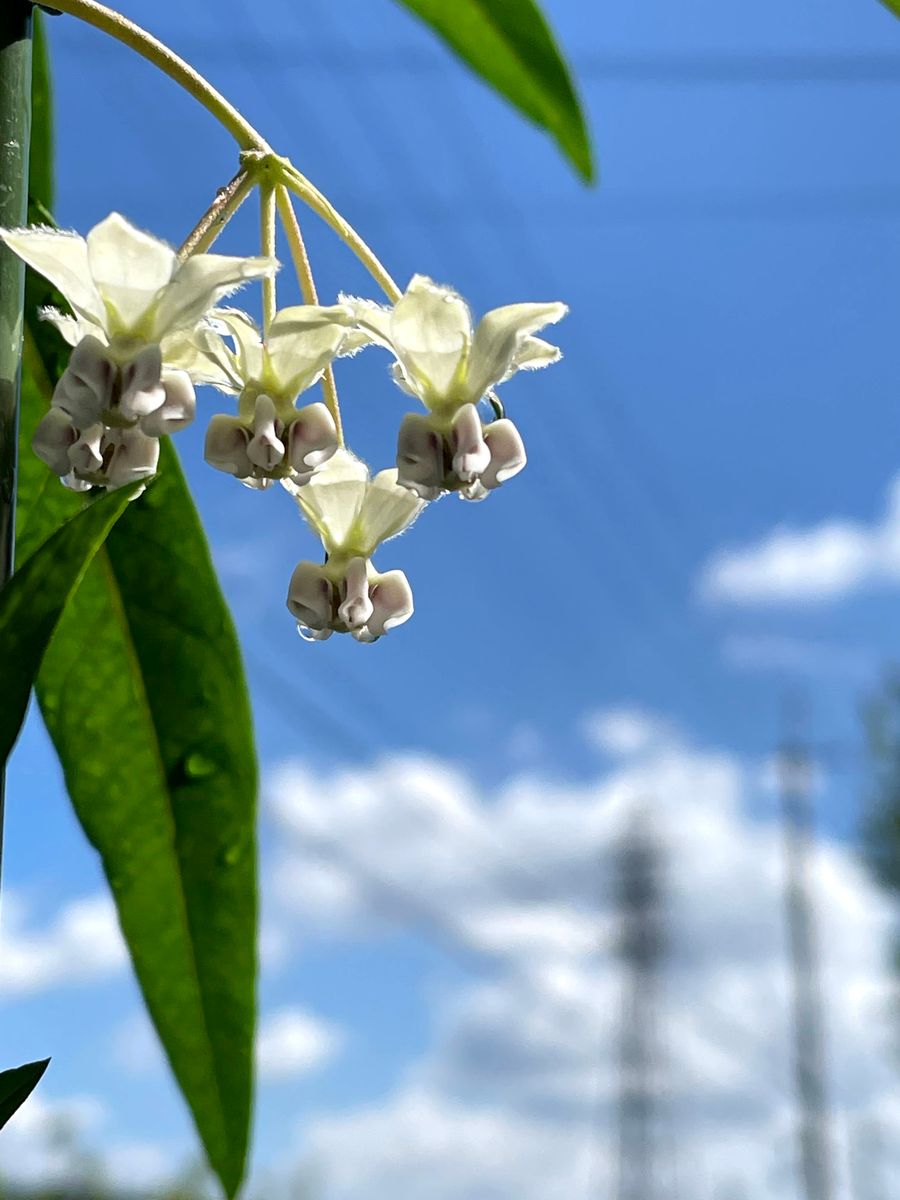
[[308, 635]]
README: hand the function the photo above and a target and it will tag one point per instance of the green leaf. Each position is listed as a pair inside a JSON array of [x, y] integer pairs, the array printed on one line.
[[40, 161], [32, 603], [143, 694], [511, 46], [142, 691], [16, 1085], [893, 6]]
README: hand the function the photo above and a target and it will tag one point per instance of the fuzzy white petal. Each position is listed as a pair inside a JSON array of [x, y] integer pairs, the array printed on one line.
[[431, 332], [498, 339], [62, 258], [199, 283], [302, 341], [129, 268]]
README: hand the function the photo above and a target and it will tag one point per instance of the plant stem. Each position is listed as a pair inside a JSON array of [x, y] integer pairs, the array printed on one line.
[[132, 35], [267, 249], [247, 137], [313, 198], [228, 200], [15, 137], [303, 268]]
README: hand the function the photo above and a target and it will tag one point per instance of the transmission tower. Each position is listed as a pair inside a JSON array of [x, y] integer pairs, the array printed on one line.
[[816, 1157], [641, 948]]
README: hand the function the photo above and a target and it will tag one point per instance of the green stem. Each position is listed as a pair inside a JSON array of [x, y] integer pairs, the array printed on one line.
[[322, 206], [249, 139], [307, 283], [267, 249], [228, 200], [15, 138], [109, 21]]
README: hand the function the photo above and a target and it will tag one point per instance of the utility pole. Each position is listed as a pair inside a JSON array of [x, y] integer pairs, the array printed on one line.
[[816, 1158], [641, 948]]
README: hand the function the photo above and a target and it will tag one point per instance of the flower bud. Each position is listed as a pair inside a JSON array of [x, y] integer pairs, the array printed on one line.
[[420, 457]]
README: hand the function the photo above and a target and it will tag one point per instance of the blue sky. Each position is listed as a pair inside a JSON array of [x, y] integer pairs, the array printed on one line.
[[704, 522]]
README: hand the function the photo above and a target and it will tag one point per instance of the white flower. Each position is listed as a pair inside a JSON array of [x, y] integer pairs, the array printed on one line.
[[135, 308], [352, 515], [450, 366], [271, 438]]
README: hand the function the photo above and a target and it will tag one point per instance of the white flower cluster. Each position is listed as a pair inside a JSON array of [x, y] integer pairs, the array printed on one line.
[[145, 328]]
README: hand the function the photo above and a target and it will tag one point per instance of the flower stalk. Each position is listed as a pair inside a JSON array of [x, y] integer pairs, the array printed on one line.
[[15, 135], [228, 200], [267, 250], [302, 266]]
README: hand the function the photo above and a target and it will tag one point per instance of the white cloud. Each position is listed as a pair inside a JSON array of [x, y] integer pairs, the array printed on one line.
[[515, 1097], [83, 943], [291, 1042], [57, 1143], [825, 562], [621, 732]]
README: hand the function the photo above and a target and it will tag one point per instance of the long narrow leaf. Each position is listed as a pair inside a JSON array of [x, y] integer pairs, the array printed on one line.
[[143, 694], [17, 1084], [511, 46], [33, 601]]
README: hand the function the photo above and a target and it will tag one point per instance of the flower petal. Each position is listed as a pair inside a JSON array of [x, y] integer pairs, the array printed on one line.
[[302, 341], [53, 438], [135, 456], [266, 449], [431, 332], [387, 510], [71, 328], [332, 499], [85, 455], [244, 363], [312, 438], [532, 354], [85, 388], [508, 455], [309, 597], [62, 258], [141, 387], [201, 281], [420, 457], [129, 267], [470, 451], [356, 607], [226, 446], [499, 338], [392, 602], [178, 409]]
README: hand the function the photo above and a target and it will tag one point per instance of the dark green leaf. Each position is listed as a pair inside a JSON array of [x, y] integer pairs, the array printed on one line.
[[893, 6], [142, 693], [40, 162], [511, 46], [16, 1085], [33, 601]]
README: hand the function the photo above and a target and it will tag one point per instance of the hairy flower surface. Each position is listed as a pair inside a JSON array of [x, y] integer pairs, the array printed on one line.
[[449, 364], [352, 513], [134, 310], [271, 438]]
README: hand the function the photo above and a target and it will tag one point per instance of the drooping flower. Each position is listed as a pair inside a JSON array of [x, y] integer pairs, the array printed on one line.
[[130, 376], [352, 513], [450, 366], [271, 438]]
